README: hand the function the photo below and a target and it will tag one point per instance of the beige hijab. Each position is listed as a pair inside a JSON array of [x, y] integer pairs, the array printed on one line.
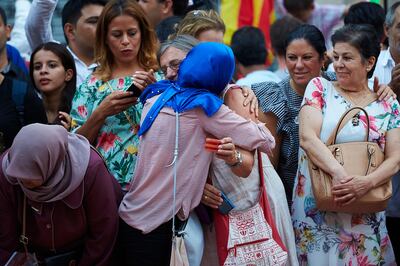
[[50, 154]]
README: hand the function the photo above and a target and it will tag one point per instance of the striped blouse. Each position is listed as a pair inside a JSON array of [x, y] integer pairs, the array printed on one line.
[[284, 102]]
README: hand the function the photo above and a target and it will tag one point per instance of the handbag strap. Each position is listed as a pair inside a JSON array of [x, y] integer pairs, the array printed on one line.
[[349, 114], [264, 203], [23, 238], [260, 169], [175, 163]]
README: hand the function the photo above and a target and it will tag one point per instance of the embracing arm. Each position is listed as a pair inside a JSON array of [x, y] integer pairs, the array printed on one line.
[[246, 134], [234, 99], [271, 122], [309, 133]]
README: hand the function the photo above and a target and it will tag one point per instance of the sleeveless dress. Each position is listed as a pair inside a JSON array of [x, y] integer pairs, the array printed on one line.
[[330, 238]]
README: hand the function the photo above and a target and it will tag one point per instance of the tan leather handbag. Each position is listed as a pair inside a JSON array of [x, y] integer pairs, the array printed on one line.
[[357, 158]]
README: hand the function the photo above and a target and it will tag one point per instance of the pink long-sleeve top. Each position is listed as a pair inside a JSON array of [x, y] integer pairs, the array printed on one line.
[[148, 204]]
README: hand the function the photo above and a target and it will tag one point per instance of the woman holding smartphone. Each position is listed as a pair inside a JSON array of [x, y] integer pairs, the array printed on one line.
[[103, 110]]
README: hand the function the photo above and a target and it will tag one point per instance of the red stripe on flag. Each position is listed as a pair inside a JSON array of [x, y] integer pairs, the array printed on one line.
[[265, 19], [246, 13]]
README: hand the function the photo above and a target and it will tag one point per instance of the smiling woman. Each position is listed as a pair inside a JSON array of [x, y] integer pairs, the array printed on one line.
[[340, 238], [103, 110], [280, 102]]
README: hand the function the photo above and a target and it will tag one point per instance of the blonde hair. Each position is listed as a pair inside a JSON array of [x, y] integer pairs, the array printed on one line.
[[146, 57], [198, 21]]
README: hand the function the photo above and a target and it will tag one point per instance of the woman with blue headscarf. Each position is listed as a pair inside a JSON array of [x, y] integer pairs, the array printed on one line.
[[177, 117]]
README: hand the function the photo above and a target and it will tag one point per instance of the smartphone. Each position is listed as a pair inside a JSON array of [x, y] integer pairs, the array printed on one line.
[[136, 91], [226, 205]]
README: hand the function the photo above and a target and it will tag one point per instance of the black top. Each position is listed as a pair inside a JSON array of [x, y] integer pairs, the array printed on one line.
[[9, 120]]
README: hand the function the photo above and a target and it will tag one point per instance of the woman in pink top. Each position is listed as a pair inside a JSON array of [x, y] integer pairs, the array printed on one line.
[[193, 104]]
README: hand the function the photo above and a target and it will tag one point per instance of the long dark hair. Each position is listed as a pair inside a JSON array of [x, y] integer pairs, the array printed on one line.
[[68, 63]]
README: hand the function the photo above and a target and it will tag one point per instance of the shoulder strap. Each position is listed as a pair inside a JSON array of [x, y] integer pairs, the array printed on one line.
[[175, 165], [23, 238], [19, 89], [349, 115]]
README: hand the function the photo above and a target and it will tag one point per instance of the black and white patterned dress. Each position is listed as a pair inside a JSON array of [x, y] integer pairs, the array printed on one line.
[[284, 102]]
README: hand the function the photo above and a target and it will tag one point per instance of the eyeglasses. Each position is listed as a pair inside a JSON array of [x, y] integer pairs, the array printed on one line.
[[174, 65]]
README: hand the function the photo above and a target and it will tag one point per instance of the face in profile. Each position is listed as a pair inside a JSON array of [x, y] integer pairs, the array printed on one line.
[[123, 39], [49, 74], [170, 61], [394, 34], [5, 32]]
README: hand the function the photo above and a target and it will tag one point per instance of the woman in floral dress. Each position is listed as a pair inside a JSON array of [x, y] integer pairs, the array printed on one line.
[[103, 111], [332, 238]]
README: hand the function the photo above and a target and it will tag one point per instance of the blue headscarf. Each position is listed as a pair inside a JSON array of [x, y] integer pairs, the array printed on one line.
[[202, 76]]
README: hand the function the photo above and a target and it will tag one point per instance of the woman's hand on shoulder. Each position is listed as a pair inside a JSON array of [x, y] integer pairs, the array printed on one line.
[[115, 103], [142, 79], [249, 98], [351, 188], [384, 91]]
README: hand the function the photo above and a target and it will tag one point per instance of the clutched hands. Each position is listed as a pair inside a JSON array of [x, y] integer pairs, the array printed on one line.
[[350, 188]]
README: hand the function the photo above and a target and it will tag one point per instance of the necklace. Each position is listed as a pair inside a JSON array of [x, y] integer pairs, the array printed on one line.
[[357, 99]]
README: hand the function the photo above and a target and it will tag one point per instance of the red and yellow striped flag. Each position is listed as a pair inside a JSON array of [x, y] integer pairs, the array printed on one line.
[[239, 13]]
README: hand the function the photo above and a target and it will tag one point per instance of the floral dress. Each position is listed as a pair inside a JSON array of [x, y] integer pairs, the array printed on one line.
[[117, 141], [331, 238]]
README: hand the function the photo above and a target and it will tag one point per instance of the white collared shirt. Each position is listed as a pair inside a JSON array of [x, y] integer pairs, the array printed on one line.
[[257, 77], [383, 69], [38, 31], [82, 70]]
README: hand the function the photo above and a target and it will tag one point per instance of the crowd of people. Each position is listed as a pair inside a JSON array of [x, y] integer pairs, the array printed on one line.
[[144, 128]]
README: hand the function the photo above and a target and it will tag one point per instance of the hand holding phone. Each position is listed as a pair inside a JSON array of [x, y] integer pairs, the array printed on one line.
[[136, 91], [226, 205]]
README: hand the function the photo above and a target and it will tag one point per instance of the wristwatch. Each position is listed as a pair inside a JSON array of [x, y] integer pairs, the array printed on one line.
[[239, 160]]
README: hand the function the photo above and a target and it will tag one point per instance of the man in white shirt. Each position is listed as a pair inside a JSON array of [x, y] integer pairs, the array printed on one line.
[[79, 20], [248, 45], [387, 68]]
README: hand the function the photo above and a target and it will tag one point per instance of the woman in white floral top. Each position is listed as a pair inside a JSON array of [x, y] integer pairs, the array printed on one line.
[[103, 111], [334, 238]]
